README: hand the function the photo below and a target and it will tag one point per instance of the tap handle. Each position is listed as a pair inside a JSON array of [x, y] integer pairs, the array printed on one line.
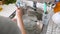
[[34, 5]]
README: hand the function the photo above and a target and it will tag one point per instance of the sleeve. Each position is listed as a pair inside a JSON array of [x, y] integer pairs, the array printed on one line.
[[8, 27]]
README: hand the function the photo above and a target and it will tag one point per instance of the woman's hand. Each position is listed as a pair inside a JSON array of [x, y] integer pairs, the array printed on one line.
[[19, 11]]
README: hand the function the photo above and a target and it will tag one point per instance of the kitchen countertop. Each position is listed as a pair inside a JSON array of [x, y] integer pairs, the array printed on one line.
[[7, 10]]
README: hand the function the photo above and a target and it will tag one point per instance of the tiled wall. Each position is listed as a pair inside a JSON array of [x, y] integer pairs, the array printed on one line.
[[42, 0]]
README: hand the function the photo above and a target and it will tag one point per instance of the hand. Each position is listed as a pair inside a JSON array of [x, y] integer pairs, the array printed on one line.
[[19, 12], [14, 19]]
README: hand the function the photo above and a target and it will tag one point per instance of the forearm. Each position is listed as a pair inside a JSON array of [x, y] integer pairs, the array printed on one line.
[[20, 22]]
